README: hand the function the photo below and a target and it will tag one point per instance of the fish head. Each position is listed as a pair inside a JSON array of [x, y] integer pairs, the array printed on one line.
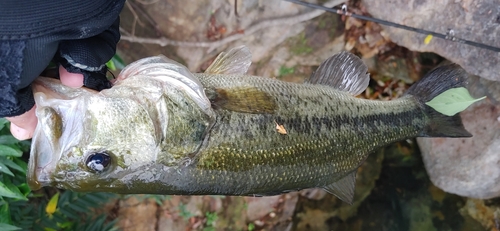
[[84, 138], [155, 115]]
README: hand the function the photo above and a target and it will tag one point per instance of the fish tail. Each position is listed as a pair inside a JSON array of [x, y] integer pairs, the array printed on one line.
[[434, 83]]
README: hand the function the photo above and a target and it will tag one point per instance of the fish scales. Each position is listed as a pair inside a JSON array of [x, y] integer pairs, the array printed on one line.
[[324, 141]]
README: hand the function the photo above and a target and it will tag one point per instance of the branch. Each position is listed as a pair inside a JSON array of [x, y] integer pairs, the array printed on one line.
[[162, 41]]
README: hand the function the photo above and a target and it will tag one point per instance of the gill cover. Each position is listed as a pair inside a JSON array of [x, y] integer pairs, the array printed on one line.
[[185, 112]]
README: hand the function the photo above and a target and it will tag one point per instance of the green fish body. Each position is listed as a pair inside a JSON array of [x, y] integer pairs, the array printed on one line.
[[226, 133]]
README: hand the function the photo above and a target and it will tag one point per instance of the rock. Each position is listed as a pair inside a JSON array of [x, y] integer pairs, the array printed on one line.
[[486, 213], [258, 207], [471, 166], [137, 215], [477, 21]]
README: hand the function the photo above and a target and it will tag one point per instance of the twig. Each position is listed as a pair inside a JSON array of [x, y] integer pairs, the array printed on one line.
[[162, 41], [147, 3], [136, 17]]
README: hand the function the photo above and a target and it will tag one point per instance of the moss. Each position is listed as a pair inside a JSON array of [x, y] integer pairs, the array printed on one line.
[[299, 45], [286, 70]]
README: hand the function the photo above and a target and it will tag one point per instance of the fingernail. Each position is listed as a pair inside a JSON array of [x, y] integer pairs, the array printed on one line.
[[74, 80]]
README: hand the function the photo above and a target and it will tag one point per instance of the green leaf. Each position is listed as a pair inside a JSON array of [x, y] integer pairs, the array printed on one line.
[[7, 189], [452, 101], [22, 164], [8, 139], [5, 216], [3, 122], [118, 61], [24, 188], [111, 65], [9, 151], [11, 164], [7, 227], [4, 169]]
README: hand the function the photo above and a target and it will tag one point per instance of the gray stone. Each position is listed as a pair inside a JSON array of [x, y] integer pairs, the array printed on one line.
[[471, 166], [477, 21]]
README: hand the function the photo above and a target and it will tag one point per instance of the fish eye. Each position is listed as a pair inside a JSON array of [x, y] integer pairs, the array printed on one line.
[[98, 162]]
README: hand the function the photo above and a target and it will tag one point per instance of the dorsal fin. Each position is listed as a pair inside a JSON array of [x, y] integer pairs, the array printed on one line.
[[235, 61], [343, 71], [343, 188]]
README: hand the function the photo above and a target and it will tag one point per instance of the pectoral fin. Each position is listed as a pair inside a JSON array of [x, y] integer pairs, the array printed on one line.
[[244, 99], [343, 188], [235, 61], [343, 71]]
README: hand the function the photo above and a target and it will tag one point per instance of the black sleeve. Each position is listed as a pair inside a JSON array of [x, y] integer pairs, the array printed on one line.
[[80, 35]]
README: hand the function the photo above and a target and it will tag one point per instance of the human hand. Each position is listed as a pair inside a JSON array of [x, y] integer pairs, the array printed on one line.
[[23, 126], [81, 45]]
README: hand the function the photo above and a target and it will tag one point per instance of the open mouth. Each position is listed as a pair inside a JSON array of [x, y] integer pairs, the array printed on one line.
[[41, 161]]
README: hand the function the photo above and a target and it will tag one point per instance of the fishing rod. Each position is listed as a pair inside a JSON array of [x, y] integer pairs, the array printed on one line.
[[450, 35]]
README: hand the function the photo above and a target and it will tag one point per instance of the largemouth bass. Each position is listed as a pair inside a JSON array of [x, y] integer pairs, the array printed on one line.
[[164, 130]]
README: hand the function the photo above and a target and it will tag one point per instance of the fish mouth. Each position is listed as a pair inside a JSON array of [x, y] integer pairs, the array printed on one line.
[[54, 101], [41, 163]]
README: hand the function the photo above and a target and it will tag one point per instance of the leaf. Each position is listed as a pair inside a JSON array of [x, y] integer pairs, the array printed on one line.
[[4, 169], [111, 65], [452, 101], [9, 151], [3, 122], [24, 188], [280, 128], [8, 139], [11, 164], [118, 61], [52, 205], [7, 227], [7, 189], [22, 164], [5, 215], [427, 39]]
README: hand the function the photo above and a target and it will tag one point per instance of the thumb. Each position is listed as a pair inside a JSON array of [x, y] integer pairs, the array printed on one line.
[[23, 126], [69, 79]]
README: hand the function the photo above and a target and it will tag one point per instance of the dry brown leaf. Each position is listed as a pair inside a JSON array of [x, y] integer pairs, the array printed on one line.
[[280, 128]]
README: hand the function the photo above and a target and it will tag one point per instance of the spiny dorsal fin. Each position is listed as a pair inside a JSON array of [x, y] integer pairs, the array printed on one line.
[[343, 188], [235, 61], [343, 71], [244, 99]]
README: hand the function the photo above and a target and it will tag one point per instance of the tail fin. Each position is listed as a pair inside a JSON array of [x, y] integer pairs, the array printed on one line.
[[434, 83]]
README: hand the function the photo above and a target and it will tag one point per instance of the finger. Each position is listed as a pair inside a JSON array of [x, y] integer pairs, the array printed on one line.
[[23, 126], [69, 79]]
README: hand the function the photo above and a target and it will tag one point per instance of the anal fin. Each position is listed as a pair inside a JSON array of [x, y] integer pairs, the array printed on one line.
[[343, 188]]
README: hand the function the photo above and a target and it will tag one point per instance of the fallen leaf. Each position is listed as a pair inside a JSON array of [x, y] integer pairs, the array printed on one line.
[[427, 39], [452, 101], [280, 128]]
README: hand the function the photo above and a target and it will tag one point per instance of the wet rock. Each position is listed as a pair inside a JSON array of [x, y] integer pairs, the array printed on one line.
[[471, 166], [472, 20]]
